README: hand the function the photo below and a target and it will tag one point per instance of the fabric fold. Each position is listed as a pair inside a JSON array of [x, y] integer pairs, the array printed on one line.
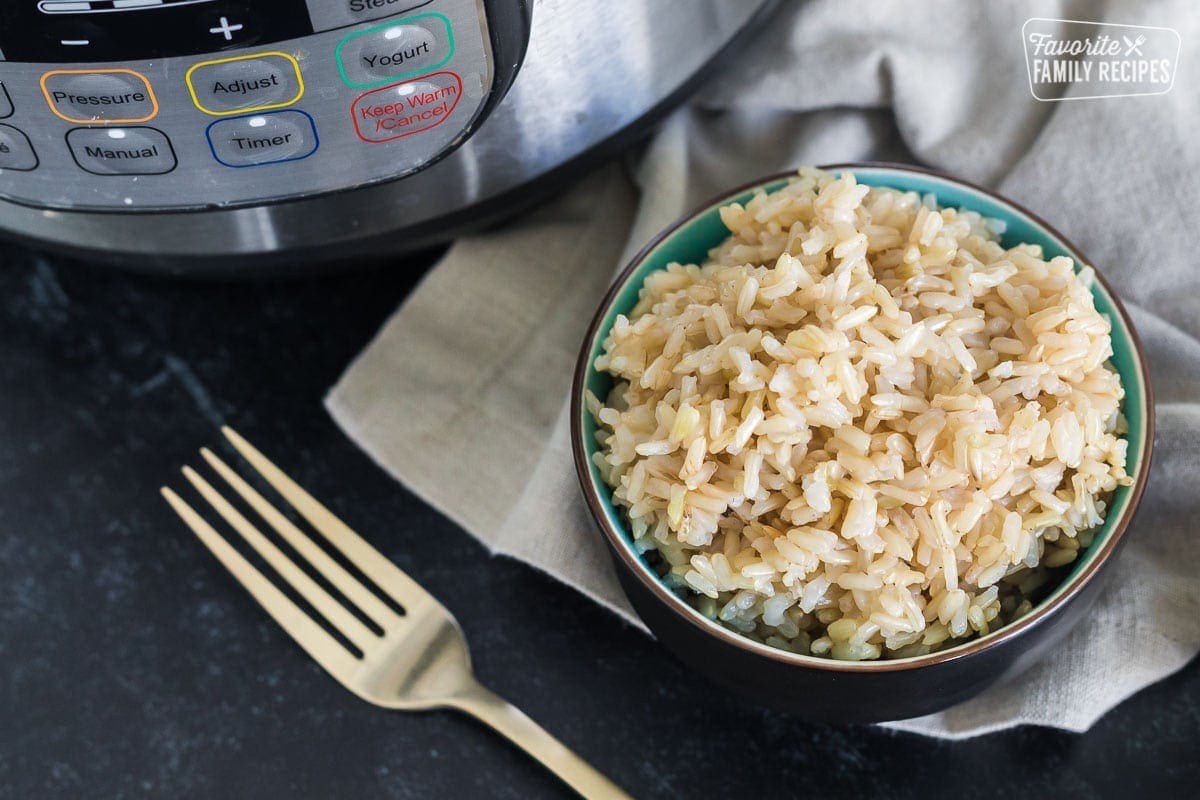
[[462, 395]]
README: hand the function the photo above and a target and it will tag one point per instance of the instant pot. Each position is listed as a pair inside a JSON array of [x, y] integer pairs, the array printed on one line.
[[203, 135]]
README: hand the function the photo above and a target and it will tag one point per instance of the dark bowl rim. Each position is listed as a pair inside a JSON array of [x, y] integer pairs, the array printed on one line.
[[678, 606]]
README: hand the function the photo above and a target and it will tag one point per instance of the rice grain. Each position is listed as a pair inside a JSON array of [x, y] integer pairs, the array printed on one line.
[[862, 428]]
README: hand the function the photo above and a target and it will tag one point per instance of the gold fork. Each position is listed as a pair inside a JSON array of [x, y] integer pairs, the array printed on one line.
[[418, 662]]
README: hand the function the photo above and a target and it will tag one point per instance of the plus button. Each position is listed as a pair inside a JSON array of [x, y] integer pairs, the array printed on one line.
[[225, 29]]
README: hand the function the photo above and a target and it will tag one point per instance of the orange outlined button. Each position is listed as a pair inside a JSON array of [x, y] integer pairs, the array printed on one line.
[[243, 84], [100, 96]]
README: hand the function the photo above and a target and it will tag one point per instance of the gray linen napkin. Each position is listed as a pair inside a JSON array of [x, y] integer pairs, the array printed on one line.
[[462, 394]]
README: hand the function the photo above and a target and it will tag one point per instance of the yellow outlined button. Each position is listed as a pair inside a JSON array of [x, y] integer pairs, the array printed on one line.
[[90, 95], [227, 83]]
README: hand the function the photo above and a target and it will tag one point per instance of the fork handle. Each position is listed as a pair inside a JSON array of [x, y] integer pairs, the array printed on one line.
[[507, 719]]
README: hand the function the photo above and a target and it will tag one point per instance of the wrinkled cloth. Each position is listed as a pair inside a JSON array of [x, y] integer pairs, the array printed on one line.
[[462, 396]]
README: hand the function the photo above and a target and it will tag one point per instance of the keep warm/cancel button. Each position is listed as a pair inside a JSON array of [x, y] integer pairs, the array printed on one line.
[[403, 109]]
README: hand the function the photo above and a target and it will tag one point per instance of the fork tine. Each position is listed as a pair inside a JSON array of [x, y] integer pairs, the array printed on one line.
[[346, 623], [323, 648], [386, 575], [333, 572]]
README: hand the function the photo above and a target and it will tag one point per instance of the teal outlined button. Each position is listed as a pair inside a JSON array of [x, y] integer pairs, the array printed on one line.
[[399, 49]]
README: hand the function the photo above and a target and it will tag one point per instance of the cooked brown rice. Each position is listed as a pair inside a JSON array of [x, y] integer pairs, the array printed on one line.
[[862, 428]]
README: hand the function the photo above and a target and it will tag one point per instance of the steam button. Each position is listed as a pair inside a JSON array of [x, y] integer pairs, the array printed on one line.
[[340, 13]]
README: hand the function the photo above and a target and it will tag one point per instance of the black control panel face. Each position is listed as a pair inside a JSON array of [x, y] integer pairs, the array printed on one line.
[[49, 31]]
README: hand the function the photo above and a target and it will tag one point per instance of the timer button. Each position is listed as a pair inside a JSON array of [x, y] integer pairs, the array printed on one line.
[[104, 96], [260, 139], [16, 152], [400, 49], [245, 83], [121, 151]]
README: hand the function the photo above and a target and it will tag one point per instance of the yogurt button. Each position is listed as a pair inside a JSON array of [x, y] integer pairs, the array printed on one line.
[[400, 49]]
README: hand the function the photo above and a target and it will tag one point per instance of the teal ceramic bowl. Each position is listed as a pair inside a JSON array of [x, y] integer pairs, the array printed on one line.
[[823, 688]]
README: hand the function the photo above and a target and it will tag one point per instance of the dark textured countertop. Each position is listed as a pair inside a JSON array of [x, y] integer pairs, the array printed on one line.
[[131, 665]]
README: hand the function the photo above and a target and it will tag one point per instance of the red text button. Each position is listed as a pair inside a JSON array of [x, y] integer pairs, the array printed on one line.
[[402, 109]]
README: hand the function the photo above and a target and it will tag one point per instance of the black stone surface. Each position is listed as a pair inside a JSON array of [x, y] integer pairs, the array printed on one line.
[[131, 665]]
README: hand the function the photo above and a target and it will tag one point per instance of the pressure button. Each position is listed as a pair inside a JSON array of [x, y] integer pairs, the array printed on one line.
[[100, 96]]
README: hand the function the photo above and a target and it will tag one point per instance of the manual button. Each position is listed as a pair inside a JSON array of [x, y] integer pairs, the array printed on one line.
[[260, 139], [245, 83], [399, 49], [121, 151], [105, 96]]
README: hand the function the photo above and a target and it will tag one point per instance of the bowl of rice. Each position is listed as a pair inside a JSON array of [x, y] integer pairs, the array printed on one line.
[[861, 439]]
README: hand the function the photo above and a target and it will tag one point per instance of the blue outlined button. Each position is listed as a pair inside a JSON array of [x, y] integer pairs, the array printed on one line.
[[269, 137]]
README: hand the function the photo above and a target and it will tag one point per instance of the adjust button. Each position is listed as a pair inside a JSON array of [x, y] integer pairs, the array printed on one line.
[[259, 139], [245, 83], [16, 152], [121, 151], [399, 49], [106, 96]]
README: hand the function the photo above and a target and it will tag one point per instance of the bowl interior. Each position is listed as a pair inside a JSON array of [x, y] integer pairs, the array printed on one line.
[[691, 241]]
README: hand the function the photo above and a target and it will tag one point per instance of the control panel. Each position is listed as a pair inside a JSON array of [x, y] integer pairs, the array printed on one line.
[[144, 105]]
